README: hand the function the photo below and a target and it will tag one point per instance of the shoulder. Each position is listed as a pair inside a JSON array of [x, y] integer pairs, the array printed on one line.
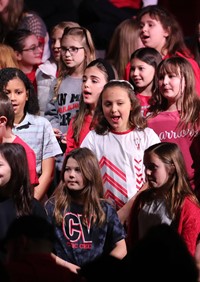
[[189, 204], [48, 68], [38, 208], [40, 120], [108, 208], [49, 205]]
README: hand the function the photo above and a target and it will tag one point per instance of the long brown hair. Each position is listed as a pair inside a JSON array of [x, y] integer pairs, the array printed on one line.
[[91, 194]]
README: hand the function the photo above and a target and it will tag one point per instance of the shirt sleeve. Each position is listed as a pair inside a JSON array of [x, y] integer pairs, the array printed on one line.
[[189, 224]]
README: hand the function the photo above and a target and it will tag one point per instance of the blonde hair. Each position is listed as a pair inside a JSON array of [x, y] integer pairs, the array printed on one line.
[[122, 44], [63, 25], [87, 43], [7, 57]]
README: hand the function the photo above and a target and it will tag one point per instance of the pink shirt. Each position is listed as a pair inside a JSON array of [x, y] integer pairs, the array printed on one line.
[[165, 125]]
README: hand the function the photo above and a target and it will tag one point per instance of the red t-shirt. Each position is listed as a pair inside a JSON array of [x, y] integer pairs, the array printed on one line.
[[31, 160], [32, 78], [189, 224], [136, 4], [71, 144]]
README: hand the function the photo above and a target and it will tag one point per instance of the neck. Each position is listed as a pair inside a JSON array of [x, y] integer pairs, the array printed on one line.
[[8, 136], [25, 68], [19, 118]]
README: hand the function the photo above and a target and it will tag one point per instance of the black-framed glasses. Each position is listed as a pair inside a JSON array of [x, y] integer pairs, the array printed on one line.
[[72, 50], [34, 48]]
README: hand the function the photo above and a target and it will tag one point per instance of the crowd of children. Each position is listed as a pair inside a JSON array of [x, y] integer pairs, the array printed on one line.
[[101, 149]]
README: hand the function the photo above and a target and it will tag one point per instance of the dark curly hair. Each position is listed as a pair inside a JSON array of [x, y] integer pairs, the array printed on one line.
[[7, 74]]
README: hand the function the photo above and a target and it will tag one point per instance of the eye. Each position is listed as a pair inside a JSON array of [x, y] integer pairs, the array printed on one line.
[[73, 49], [63, 49]]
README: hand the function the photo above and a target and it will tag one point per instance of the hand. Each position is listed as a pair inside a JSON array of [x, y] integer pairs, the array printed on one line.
[[57, 133]]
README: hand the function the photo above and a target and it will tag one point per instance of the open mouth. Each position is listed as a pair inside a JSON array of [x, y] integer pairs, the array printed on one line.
[[115, 119]]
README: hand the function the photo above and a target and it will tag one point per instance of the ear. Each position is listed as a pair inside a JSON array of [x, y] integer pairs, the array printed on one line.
[[3, 120], [27, 95], [18, 55], [172, 169], [167, 32]]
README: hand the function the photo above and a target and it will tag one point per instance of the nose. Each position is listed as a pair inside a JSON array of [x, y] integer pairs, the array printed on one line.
[[165, 80], [114, 108], [57, 44], [11, 96], [72, 172], [148, 171], [85, 84], [143, 28], [134, 72]]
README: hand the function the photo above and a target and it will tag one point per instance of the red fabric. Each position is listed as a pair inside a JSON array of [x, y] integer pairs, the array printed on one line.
[[135, 4], [71, 144], [144, 102], [189, 224], [127, 71], [31, 160], [32, 78]]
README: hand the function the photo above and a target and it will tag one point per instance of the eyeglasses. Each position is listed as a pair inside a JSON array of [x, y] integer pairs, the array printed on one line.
[[34, 48], [72, 50]]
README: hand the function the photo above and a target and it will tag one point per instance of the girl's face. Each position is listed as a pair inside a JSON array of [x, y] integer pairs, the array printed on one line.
[[72, 52], [55, 43], [3, 5], [152, 33], [16, 91], [141, 73], [116, 106], [32, 52], [171, 86], [73, 177], [156, 171], [5, 171], [93, 82]]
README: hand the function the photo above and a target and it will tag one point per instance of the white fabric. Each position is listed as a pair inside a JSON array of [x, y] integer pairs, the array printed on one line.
[[121, 160]]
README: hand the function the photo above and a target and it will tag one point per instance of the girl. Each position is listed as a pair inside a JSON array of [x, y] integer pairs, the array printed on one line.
[[16, 197], [86, 225], [175, 112], [160, 30], [28, 51], [77, 50], [124, 41], [169, 198], [7, 116], [48, 71], [96, 75], [14, 15], [144, 62], [119, 139], [36, 131]]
